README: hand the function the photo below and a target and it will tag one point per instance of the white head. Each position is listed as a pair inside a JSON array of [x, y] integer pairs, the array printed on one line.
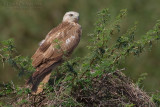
[[71, 16]]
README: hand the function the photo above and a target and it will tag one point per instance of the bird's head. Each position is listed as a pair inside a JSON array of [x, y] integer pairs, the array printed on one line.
[[71, 16]]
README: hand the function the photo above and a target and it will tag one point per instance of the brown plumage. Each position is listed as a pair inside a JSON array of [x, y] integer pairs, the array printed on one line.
[[67, 36]]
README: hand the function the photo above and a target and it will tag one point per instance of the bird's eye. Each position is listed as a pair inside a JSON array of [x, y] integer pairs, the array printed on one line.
[[70, 14]]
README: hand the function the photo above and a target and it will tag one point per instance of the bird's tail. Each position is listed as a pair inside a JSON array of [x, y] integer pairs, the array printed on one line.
[[38, 80]]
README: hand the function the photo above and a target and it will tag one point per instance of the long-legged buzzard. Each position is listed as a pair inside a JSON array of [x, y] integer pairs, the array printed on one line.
[[59, 42]]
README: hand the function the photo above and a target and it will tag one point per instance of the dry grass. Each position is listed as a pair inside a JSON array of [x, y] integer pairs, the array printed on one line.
[[108, 90]]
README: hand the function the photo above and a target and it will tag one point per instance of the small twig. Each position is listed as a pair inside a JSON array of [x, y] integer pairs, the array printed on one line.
[[116, 71], [13, 86], [2, 59]]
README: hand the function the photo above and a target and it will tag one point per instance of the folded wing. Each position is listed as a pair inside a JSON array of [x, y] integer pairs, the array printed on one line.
[[59, 42]]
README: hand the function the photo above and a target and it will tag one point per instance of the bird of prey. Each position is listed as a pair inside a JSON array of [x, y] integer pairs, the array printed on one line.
[[59, 42]]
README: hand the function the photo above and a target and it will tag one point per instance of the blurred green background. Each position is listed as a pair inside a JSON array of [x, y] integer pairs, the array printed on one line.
[[28, 22]]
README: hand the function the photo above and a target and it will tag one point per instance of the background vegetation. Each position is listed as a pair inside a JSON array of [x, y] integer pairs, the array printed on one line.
[[94, 80], [29, 21]]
